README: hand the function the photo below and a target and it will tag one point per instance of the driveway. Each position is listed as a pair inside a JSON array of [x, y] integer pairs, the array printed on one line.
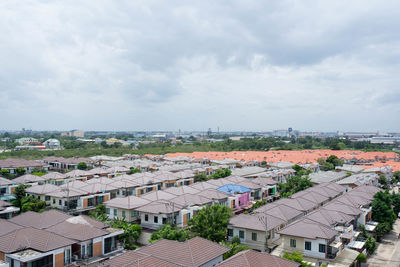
[[387, 253]]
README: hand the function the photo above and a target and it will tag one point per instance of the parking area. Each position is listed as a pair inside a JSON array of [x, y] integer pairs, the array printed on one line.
[[388, 251]]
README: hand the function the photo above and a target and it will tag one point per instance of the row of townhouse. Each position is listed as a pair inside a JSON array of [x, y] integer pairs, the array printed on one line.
[[328, 235], [12, 164], [84, 194], [177, 205], [195, 252], [65, 164], [259, 230], [53, 238]]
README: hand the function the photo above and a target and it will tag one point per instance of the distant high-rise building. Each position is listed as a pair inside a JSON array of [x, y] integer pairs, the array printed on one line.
[[77, 133]]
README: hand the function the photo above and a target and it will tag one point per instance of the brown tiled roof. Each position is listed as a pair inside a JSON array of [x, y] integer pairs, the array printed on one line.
[[36, 239], [160, 207], [213, 194], [204, 186], [74, 160], [15, 163], [98, 188], [264, 181], [281, 211], [76, 231], [193, 252], [137, 259], [73, 184], [7, 227], [42, 189], [309, 229], [186, 200], [67, 192], [129, 202], [77, 173], [158, 195], [101, 180], [54, 176], [28, 178], [40, 220], [301, 204], [251, 258], [329, 217], [182, 190], [255, 221], [4, 181]]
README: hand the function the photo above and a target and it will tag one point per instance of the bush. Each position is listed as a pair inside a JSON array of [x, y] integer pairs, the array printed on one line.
[[170, 233]]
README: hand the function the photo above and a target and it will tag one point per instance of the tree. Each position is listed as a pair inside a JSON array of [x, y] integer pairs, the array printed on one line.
[[370, 245], [361, 258], [134, 170], [82, 166], [382, 208], [131, 235], [100, 213], [383, 181], [201, 177], [334, 160], [296, 257], [170, 233], [396, 176], [221, 173], [258, 204], [5, 173], [20, 171], [235, 247], [381, 229], [294, 184], [19, 193], [31, 203], [396, 203], [211, 222]]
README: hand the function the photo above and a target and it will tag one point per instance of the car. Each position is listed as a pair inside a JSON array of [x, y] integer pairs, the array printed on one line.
[[398, 184], [398, 214]]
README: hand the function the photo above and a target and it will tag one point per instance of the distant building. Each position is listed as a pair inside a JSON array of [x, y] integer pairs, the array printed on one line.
[[27, 141], [52, 144], [77, 133]]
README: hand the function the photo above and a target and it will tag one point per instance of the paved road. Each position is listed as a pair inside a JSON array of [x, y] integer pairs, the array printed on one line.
[[388, 252]]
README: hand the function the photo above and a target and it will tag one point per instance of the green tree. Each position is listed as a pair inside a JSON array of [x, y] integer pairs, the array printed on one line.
[[383, 181], [201, 177], [334, 160], [296, 257], [294, 184], [370, 245], [361, 258], [396, 203], [235, 247], [170, 233], [99, 214], [382, 208], [20, 171], [82, 166], [133, 170], [5, 173], [32, 204], [131, 235], [19, 193], [221, 173], [396, 176], [211, 222]]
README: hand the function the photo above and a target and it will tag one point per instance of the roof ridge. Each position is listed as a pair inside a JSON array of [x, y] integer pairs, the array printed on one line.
[[190, 251]]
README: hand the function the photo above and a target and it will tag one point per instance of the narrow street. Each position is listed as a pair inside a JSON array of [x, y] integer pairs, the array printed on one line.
[[388, 251]]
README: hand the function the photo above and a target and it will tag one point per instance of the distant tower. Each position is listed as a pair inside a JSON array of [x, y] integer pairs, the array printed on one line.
[[290, 131], [209, 132]]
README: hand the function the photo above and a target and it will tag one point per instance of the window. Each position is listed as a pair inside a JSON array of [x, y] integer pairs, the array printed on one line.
[[108, 211], [54, 201], [47, 198], [254, 236], [292, 243], [146, 217], [322, 248], [241, 234], [123, 214], [230, 232], [59, 202], [115, 212], [307, 245], [134, 213], [164, 220], [155, 219]]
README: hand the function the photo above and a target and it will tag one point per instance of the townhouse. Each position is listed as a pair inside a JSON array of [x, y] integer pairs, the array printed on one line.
[[65, 164], [7, 210], [328, 235], [53, 238], [5, 187], [28, 165], [195, 252]]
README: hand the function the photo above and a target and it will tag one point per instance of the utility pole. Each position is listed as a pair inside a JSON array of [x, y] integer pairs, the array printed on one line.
[[263, 219]]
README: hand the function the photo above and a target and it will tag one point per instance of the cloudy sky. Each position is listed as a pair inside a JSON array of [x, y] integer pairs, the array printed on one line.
[[194, 65]]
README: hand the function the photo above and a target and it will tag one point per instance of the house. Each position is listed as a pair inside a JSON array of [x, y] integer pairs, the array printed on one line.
[[124, 207], [195, 252], [64, 164], [28, 179], [54, 178], [252, 258], [241, 193], [7, 210], [5, 186], [28, 165], [327, 177], [52, 144], [350, 168]]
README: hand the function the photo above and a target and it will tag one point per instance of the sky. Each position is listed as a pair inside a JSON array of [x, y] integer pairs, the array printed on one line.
[[193, 65]]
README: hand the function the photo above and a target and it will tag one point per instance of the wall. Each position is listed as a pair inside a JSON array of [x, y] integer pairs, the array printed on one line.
[[59, 260], [213, 262], [97, 248], [314, 252]]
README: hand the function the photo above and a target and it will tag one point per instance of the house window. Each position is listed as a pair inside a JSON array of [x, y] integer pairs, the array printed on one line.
[[164, 220], [47, 198], [134, 213], [59, 202], [155, 219], [254, 236], [123, 214], [292, 243], [307, 245], [322, 248], [54, 201], [115, 212], [146, 217], [108, 211], [241, 234], [230, 232]]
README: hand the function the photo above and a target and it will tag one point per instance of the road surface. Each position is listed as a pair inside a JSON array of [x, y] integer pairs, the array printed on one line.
[[387, 253]]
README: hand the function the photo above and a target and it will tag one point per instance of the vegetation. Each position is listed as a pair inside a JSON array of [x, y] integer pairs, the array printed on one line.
[[297, 257], [211, 222], [330, 163], [32, 204], [361, 258], [171, 233], [131, 233], [134, 170], [396, 177], [258, 204], [295, 183], [383, 181], [235, 247], [82, 166], [100, 213], [383, 213], [201, 177], [370, 245], [218, 174]]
